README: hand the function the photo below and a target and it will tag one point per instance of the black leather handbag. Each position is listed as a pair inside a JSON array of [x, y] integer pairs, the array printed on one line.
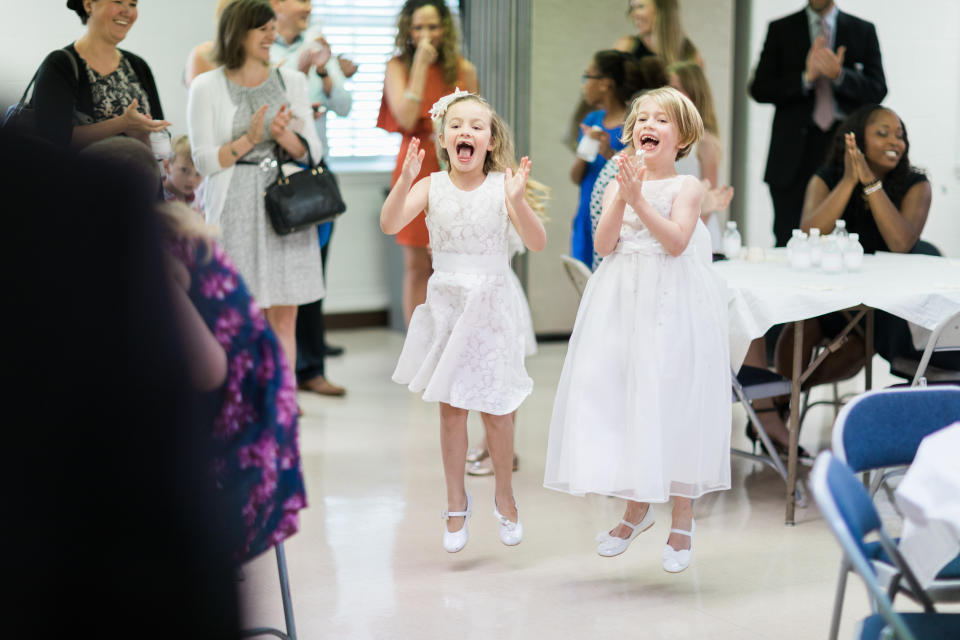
[[303, 199], [21, 115]]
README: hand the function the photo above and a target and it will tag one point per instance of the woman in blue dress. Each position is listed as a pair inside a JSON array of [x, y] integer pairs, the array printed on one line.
[[609, 83]]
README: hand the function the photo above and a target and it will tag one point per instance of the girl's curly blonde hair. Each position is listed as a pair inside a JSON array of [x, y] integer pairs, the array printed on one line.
[[501, 156], [448, 53]]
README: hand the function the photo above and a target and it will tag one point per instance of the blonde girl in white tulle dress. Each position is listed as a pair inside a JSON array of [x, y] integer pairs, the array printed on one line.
[[643, 404], [465, 346]]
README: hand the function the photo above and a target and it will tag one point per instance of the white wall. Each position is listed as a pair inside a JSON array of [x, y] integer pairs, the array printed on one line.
[[920, 45]]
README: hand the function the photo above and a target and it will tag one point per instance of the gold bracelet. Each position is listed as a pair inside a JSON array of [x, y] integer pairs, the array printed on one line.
[[873, 187]]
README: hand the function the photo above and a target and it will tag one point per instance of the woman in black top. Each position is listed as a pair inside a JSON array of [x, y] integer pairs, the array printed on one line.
[[91, 90], [868, 181]]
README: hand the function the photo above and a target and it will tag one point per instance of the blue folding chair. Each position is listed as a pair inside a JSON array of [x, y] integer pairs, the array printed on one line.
[[878, 432], [851, 515]]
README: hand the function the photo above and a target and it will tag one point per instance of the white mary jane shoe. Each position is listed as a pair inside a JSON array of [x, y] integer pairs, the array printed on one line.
[[614, 545], [453, 541], [511, 533], [676, 561]]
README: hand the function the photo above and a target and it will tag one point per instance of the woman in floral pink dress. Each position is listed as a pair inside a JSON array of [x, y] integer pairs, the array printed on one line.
[[256, 457]]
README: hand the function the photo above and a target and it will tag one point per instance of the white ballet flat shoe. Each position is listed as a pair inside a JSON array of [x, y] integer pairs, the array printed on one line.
[[676, 561], [603, 536], [511, 533], [610, 546], [453, 541]]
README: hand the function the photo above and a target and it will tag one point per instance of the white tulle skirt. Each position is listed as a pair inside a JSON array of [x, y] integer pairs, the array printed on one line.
[[643, 404]]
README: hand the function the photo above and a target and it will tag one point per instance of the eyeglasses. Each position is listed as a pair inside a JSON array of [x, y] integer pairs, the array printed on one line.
[[587, 76]]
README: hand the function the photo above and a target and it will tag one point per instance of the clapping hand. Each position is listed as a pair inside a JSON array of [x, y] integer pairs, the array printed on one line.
[[515, 182], [828, 63], [821, 61], [413, 161], [857, 162], [347, 66], [255, 132], [630, 180], [136, 123], [316, 55], [715, 199], [280, 122]]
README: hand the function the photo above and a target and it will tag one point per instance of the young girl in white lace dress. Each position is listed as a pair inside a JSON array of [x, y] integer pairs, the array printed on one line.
[[465, 346], [643, 404]]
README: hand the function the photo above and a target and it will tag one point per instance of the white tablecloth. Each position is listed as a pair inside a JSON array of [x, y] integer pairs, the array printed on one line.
[[929, 498], [921, 289]]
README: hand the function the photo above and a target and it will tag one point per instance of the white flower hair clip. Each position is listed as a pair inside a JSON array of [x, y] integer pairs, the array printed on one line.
[[439, 107]]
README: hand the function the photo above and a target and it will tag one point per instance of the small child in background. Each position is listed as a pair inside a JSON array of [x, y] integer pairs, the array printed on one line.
[[181, 180]]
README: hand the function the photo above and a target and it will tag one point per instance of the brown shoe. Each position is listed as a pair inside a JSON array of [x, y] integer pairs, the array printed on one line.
[[319, 384]]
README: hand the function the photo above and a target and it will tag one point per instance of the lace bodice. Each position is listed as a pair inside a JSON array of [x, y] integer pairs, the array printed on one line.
[[634, 235], [468, 222]]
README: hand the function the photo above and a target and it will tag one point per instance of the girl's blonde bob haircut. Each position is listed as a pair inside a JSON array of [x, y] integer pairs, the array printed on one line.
[[500, 156], [680, 111]]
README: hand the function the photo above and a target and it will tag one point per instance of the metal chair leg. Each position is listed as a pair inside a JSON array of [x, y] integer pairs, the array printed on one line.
[[291, 632], [285, 592], [838, 599]]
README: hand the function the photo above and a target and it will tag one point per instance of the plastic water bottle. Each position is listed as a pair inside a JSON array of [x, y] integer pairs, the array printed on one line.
[[832, 258], [731, 241], [840, 233], [589, 147], [853, 253], [816, 247], [798, 250]]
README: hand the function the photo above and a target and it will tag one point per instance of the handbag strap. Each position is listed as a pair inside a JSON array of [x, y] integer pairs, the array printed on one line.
[[278, 151], [33, 80]]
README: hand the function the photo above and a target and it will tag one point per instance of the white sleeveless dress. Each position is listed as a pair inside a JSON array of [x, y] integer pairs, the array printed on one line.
[[642, 410], [465, 344]]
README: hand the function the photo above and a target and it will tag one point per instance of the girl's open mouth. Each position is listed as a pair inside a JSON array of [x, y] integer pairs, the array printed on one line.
[[648, 142], [464, 151]]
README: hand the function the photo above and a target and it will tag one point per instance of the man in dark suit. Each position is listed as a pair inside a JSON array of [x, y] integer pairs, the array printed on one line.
[[817, 66]]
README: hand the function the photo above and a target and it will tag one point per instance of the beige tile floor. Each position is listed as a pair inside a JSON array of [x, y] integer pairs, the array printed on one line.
[[368, 563]]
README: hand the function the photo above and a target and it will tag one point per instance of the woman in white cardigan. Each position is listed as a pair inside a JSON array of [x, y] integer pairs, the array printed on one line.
[[236, 116]]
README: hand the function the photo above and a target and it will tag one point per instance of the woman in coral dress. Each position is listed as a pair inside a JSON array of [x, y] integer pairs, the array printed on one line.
[[427, 66]]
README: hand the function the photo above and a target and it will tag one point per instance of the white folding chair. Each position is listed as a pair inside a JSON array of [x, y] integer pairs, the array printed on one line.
[[577, 271], [944, 337]]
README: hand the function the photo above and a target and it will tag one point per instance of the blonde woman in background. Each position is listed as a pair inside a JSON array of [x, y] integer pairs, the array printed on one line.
[[704, 159], [659, 32], [201, 58]]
